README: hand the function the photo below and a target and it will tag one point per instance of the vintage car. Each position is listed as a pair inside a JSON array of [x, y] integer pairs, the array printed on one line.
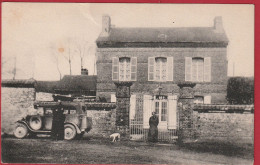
[[76, 120]]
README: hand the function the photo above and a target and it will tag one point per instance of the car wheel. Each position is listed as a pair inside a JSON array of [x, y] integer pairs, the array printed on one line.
[[69, 132], [20, 131], [35, 122]]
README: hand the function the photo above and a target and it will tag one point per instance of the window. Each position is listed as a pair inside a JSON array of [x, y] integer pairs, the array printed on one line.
[[198, 69], [160, 69], [202, 99], [124, 68], [198, 99], [161, 110]]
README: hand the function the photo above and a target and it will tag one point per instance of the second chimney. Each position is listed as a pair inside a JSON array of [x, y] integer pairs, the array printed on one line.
[[218, 24], [106, 25]]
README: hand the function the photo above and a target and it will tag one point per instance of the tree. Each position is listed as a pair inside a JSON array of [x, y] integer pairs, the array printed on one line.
[[240, 90], [55, 57], [83, 48], [14, 69], [67, 51], [9, 67]]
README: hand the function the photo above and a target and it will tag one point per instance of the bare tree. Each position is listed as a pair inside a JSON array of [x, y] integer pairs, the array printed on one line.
[[14, 69], [4, 60], [67, 52], [83, 48], [55, 57]]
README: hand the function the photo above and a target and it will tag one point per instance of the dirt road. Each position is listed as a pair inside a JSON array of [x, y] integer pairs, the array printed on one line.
[[102, 151]]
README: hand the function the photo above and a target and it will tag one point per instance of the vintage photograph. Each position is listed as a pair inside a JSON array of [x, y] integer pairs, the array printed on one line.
[[96, 83]]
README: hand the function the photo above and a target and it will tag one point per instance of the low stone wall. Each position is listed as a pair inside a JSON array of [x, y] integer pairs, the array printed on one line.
[[16, 103], [104, 122], [42, 96], [228, 127]]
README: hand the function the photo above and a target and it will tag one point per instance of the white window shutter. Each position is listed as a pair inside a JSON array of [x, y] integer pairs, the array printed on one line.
[[170, 68], [133, 68], [113, 98], [132, 107], [188, 68], [115, 68], [207, 99], [172, 112], [207, 69], [147, 110], [151, 63]]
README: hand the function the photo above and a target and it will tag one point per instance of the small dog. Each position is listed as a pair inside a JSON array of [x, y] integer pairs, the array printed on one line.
[[115, 136]]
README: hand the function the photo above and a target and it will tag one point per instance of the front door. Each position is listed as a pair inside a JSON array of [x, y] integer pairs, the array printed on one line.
[[161, 109]]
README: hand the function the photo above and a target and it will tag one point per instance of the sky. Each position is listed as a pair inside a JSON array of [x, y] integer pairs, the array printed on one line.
[[38, 38]]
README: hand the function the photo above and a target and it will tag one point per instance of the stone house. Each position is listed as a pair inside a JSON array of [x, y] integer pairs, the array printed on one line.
[[155, 60]]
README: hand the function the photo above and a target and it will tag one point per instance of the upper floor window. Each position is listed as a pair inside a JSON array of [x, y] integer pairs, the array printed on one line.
[[198, 69], [124, 68], [160, 69]]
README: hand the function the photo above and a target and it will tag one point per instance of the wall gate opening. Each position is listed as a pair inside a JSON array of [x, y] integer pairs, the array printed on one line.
[[141, 108]]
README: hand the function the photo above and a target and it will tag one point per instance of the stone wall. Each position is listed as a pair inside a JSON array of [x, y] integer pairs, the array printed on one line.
[[42, 96], [228, 127], [216, 88], [104, 122], [16, 103]]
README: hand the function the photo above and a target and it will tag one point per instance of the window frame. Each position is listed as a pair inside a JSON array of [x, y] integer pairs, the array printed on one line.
[[162, 123], [197, 69], [166, 69]]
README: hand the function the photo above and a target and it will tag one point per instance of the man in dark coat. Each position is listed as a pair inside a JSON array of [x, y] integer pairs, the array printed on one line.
[[54, 129], [61, 120], [57, 131], [153, 131]]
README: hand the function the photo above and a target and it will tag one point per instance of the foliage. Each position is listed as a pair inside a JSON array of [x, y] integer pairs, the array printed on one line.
[[240, 90]]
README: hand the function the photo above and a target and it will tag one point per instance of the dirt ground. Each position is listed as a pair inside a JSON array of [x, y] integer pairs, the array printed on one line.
[[90, 150]]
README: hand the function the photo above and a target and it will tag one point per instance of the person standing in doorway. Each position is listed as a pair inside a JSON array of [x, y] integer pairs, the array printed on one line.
[[153, 130]]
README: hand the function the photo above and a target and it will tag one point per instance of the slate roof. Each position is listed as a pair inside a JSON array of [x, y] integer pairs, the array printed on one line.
[[78, 82], [164, 35], [69, 83], [18, 83]]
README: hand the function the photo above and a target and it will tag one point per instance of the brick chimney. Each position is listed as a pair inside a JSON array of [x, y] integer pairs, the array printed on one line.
[[106, 25], [218, 27]]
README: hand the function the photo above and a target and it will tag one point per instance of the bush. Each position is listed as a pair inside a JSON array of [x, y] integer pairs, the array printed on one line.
[[240, 90]]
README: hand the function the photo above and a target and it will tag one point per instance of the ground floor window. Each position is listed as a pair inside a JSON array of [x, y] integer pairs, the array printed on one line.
[[199, 99], [202, 99]]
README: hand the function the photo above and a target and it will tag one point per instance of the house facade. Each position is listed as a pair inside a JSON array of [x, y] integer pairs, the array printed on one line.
[[155, 60]]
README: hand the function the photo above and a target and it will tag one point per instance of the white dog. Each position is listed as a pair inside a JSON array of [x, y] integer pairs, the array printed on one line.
[[115, 136]]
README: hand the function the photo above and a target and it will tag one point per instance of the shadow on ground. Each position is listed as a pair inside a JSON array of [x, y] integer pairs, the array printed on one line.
[[96, 149]]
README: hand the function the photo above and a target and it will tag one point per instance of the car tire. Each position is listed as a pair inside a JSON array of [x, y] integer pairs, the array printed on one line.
[[35, 122], [69, 132], [21, 131]]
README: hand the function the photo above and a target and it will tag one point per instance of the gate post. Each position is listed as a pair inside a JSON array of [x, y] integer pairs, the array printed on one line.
[[185, 107], [122, 107]]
